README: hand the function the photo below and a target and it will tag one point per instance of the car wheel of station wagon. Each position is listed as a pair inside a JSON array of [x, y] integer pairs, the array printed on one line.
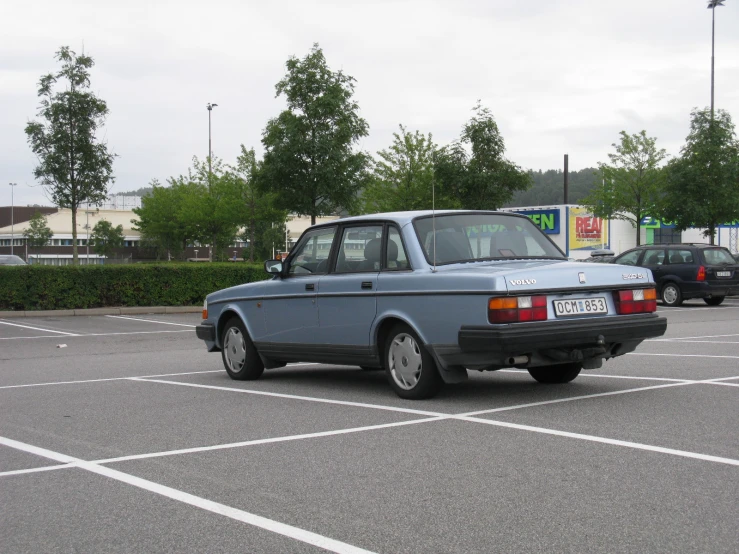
[[562, 373], [410, 368], [671, 295], [239, 355], [714, 300]]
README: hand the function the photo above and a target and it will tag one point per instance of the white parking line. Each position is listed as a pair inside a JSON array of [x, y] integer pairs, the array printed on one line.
[[35, 470], [294, 397], [106, 379], [726, 384], [149, 320], [682, 355], [204, 504], [268, 441], [603, 440], [628, 377], [703, 341], [39, 329], [683, 338], [99, 334]]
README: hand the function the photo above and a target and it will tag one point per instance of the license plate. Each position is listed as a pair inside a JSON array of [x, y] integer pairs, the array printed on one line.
[[580, 306], [723, 274]]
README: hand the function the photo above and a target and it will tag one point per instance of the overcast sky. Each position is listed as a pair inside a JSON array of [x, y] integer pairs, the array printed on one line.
[[560, 76]]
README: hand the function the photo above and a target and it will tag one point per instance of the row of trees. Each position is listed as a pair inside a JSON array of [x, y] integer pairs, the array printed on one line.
[[312, 166], [700, 188]]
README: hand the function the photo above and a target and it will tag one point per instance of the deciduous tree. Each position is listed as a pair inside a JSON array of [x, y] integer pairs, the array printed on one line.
[[38, 233], [106, 238], [632, 184], [474, 170], [703, 183], [75, 166], [310, 160]]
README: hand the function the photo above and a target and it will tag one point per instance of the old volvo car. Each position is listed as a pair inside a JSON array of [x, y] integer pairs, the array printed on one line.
[[427, 297]]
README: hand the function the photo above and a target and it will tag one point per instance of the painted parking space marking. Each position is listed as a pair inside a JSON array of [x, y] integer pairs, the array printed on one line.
[[604, 440], [104, 379], [277, 527], [39, 329], [699, 337], [682, 355], [81, 335], [149, 320], [628, 377]]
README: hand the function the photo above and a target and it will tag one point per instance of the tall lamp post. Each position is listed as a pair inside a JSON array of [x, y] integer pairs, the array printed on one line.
[[12, 218], [210, 107], [712, 6]]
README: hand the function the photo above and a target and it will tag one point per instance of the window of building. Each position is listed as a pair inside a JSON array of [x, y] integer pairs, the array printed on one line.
[[667, 236]]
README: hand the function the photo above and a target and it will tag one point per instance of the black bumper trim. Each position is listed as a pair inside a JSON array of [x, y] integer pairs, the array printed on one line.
[[206, 331], [519, 338]]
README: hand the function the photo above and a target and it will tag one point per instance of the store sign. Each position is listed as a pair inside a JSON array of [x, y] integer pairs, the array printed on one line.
[[649, 222], [587, 232], [546, 220]]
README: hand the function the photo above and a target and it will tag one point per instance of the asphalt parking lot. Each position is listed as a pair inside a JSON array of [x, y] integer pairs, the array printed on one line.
[[121, 434]]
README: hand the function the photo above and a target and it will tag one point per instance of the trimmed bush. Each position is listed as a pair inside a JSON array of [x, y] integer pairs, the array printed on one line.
[[38, 287]]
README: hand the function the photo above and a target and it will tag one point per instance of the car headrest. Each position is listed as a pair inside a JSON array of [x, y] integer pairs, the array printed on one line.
[[392, 251], [373, 250], [676, 258]]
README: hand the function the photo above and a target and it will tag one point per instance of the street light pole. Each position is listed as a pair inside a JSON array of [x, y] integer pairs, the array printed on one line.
[[712, 6], [12, 218], [210, 107]]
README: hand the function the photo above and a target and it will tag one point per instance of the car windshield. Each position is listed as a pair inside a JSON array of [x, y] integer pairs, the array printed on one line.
[[718, 256], [460, 238]]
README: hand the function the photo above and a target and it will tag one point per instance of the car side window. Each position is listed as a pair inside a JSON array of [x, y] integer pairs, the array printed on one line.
[[630, 258], [654, 257], [360, 249], [680, 256], [312, 253], [396, 258]]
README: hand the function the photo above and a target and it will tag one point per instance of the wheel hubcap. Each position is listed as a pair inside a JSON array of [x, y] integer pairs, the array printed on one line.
[[404, 361], [235, 349], [670, 295]]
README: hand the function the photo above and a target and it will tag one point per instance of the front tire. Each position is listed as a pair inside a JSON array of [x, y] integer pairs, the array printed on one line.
[[714, 300], [240, 358], [556, 374], [410, 369], [671, 295]]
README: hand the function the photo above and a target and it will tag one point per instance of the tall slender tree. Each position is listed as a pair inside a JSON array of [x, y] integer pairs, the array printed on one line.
[[38, 233], [310, 160], [74, 167]]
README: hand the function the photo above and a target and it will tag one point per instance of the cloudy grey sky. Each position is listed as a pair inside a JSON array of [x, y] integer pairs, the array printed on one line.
[[560, 76]]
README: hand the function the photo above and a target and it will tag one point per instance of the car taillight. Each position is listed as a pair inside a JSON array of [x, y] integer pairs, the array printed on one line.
[[701, 274], [517, 309], [636, 301], [205, 309]]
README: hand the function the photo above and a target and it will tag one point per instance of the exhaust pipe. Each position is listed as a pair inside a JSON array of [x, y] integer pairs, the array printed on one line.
[[517, 360]]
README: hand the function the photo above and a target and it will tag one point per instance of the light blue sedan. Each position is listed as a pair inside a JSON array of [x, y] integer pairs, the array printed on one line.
[[427, 297]]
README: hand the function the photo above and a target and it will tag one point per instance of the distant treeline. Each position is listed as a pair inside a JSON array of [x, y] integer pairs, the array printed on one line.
[[548, 187]]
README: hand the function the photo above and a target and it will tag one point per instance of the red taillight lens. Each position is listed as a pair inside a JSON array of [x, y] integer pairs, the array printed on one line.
[[637, 301], [701, 274], [515, 309]]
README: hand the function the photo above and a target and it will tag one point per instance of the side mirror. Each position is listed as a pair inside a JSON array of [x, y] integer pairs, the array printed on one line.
[[273, 267]]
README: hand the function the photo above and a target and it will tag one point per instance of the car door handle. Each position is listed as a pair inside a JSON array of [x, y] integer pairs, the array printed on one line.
[[366, 284], [310, 286]]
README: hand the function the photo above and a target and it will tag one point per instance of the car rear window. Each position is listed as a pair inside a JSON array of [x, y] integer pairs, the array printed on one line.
[[715, 256]]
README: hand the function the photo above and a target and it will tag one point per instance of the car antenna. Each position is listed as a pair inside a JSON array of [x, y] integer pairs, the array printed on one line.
[[433, 220]]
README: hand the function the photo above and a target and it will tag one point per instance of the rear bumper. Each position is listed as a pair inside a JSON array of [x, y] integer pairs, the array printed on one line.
[[520, 338], [707, 289]]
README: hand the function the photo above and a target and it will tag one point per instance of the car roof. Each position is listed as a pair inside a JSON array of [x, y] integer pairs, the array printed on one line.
[[403, 218], [679, 244]]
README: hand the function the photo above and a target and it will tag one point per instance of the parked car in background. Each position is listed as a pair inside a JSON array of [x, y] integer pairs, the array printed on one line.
[[601, 256], [684, 271], [9, 259], [427, 297]]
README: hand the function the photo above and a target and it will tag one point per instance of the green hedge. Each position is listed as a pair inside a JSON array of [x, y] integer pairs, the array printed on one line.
[[37, 287]]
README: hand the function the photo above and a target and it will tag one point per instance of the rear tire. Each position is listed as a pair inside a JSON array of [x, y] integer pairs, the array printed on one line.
[[671, 295], [714, 300], [240, 358], [562, 373], [410, 369]]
